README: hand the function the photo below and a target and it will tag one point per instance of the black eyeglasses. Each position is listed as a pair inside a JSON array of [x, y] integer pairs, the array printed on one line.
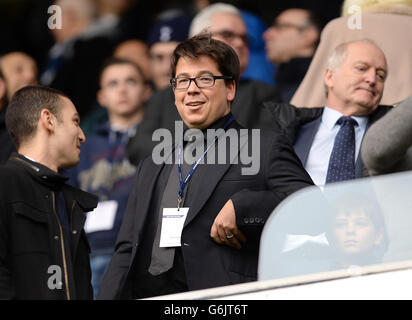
[[203, 81]]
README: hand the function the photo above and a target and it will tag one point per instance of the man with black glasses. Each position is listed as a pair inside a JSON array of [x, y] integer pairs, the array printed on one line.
[[225, 23], [194, 222]]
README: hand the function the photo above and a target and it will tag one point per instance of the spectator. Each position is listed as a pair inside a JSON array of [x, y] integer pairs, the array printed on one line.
[[386, 22], [44, 253], [226, 24], [136, 51], [103, 169], [290, 44], [19, 70], [357, 234], [6, 144], [217, 242], [386, 147], [166, 34], [327, 139], [74, 60]]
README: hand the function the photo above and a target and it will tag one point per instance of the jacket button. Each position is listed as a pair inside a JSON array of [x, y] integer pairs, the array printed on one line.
[[74, 231], [56, 238]]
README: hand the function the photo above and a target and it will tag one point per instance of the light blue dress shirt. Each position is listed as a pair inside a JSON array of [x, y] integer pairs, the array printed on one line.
[[319, 154]]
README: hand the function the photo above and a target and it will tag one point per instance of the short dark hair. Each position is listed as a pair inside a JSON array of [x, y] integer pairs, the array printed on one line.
[[23, 111], [204, 45], [111, 61]]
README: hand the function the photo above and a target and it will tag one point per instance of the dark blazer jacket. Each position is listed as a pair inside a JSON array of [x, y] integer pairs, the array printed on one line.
[[208, 264], [300, 125]]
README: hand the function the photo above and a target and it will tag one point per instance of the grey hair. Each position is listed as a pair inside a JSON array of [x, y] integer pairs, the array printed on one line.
[[338, 56], [202, 21]]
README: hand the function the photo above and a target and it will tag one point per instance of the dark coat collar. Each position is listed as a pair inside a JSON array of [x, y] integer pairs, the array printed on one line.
[[288, 119], [55, 181], [40, 172]]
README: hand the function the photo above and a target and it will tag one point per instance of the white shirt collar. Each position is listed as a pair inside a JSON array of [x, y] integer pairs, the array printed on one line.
[[331, 116]]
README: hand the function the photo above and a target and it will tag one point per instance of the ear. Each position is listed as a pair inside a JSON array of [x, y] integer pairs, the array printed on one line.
[[47, 120], [329, 78], [231, 90]]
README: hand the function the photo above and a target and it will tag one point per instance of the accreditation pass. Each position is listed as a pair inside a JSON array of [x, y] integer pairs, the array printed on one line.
[[173, 220]]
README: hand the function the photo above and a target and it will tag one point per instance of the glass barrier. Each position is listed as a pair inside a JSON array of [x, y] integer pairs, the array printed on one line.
[[344, 225]]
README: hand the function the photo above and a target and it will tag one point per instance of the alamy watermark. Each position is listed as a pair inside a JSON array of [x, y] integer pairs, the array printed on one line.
[[55, 280], [55, 20], [232, 146]]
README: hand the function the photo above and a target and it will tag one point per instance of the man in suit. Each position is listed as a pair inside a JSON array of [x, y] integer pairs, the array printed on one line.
[[354, 82], [220, 210]]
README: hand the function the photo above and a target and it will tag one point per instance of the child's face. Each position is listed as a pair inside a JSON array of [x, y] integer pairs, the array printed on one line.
[[355, 233], [123, 90]]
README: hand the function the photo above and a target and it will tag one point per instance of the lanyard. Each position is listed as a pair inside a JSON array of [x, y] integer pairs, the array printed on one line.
[[183, 183]]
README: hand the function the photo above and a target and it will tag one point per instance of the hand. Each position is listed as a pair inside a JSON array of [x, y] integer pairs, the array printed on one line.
[[224, 229]]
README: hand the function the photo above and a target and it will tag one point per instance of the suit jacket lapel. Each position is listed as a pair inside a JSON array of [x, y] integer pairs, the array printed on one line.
[[304, 139], [211, 175]]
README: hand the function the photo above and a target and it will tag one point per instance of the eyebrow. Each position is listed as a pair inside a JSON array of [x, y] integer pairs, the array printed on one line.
[[184, 74], [364, 62]]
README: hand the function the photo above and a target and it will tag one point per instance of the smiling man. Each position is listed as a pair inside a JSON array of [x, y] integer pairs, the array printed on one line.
[[44, 252], [328, 139], [191, 226], [225, 23]]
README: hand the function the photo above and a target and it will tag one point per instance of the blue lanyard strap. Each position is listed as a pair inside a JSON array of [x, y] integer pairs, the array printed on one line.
[[182, 183]]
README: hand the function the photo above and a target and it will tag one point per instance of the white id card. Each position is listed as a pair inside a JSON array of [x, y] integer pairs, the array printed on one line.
[[172, 226]]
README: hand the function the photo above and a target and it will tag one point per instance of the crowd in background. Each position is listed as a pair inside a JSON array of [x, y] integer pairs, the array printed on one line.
[[112, 59]]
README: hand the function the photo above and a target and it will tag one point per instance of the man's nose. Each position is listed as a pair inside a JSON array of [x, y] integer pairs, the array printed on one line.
[[192, 86], [82, 136], [370, 76]]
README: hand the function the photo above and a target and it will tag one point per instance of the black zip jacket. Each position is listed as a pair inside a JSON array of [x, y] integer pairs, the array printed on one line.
[[38, 259]]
